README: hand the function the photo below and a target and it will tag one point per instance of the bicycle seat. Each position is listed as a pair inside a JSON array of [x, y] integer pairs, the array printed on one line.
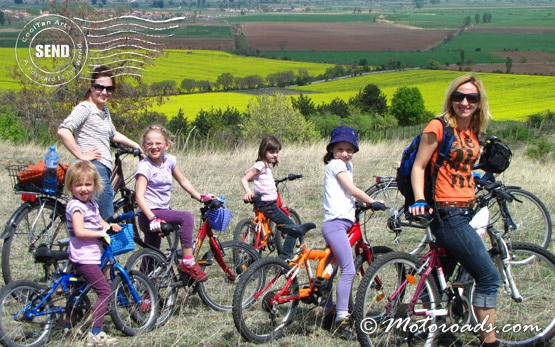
[[169, 227], [44, 254], [297, 230]]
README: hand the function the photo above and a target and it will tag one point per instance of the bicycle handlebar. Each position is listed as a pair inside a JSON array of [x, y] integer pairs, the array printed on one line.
[[121, 149], [290, 177]]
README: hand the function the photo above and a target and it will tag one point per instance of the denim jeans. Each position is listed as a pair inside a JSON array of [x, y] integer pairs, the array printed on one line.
[[464, 245], [106, 197], [276, 215]]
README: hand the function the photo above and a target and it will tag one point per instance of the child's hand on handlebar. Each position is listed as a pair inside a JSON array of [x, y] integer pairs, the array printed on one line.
[[207, 197], [378, 205], [155, 225], [247, 198]]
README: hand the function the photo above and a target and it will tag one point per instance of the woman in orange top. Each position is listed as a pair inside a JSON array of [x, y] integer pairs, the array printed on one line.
[[466, 110]]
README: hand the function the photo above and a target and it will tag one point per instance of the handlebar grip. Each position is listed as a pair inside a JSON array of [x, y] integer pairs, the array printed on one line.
[[292, 177], [121, 217]]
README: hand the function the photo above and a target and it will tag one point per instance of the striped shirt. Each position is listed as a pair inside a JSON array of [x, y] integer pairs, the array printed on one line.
[[264, 183], [91, 128]]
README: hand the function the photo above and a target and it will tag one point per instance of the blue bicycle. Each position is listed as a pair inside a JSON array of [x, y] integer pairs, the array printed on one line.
[[29, 312]]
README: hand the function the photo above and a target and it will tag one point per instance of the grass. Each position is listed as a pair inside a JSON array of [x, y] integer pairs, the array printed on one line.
[[220, 173]]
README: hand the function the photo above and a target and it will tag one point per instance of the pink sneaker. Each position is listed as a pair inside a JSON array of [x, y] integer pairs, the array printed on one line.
[[194, 271]]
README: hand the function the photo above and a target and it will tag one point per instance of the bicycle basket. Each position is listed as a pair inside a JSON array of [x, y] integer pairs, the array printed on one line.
[[122, 241], [219, 218], [29, 178]]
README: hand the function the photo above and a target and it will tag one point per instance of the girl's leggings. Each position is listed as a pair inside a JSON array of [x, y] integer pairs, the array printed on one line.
[[183, 218], [93, 274], [335, 234]]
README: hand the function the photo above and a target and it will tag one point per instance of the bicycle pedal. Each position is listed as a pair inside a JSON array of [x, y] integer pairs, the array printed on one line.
[[205, 262]]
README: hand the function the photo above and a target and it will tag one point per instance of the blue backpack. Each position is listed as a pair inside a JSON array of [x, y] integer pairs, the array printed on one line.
[[404, 184]]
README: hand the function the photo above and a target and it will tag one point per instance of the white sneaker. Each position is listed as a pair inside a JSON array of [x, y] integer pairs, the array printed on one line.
[[101, 339]]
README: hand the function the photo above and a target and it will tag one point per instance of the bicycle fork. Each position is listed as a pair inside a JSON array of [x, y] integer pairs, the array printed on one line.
[[503, 262]]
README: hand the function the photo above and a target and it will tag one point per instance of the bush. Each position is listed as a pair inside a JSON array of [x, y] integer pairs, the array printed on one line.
[[542, 150]]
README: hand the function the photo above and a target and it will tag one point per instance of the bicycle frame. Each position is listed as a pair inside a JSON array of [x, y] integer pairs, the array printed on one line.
[[325, 258], [71, 283], [206, 231], [431, 261]]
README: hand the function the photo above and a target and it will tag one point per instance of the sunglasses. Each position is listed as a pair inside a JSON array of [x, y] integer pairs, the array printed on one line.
[[472, 98], [99, 88]]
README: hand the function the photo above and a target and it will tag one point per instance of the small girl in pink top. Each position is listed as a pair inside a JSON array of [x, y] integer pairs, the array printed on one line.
[[265, 191], [86, 227]]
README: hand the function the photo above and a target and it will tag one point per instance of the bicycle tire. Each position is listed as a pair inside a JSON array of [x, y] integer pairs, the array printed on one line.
[[412, 237], [162, 274], [30, 222], [129, 316], [378, 309], [217, 291], [362, 264], [14, 297], [253, 317], [534, 280], [531, 217]]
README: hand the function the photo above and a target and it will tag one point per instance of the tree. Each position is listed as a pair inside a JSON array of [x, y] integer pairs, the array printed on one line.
[[477, 18], [508, 64], [467, 21], [407, 105], [273, 114], [178, 124], [164, 88], [370, 100], [2, 18], [188, 85], [337, 107], [304, 105], [225, 81]]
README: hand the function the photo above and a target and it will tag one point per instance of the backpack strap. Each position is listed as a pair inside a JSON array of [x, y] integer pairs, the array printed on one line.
[[443, 152]]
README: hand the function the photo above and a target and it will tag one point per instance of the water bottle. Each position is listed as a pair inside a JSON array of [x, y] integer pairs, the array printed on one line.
[[222, 199], [50, 180]]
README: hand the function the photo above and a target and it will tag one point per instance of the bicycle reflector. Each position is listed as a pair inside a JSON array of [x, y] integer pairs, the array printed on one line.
[[28, 197]]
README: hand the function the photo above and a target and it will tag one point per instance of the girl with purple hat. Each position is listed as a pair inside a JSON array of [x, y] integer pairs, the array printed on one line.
[[339, 204]]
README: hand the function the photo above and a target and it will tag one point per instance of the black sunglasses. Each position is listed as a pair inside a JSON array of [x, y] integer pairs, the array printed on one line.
[[472, 98], [100, 88]]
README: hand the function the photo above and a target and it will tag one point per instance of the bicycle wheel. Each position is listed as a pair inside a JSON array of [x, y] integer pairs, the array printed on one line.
[[16, 330], [412, 236], [162, 274], [530, 321], [362, 264], [530, 215], [257, 317], [245, 231], [383, 315], [130, 316], [217, 291], [42, 222]]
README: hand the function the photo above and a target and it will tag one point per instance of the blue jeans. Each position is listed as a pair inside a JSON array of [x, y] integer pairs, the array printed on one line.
[[106, 197], [464, 245], [276, 215]]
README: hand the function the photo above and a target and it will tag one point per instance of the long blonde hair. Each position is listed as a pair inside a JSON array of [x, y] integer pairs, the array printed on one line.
[[78, 170], [481, 117]]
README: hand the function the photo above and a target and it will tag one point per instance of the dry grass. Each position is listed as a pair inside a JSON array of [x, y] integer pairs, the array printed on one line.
[[219, 173]]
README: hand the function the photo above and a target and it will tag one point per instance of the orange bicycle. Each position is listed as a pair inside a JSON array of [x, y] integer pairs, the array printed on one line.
[[260, 232], [267, 295]]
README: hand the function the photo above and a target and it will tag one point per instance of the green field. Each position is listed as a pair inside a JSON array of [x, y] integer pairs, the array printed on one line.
[[511, 97], [208, 65]]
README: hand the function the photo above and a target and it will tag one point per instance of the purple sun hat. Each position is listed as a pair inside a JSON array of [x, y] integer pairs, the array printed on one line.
[[343, 134]]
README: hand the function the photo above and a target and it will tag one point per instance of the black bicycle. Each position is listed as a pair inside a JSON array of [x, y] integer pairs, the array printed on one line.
[[40, 221]]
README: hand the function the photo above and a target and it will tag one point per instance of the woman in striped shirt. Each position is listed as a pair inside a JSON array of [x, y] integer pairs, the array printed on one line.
[[88, 130]]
